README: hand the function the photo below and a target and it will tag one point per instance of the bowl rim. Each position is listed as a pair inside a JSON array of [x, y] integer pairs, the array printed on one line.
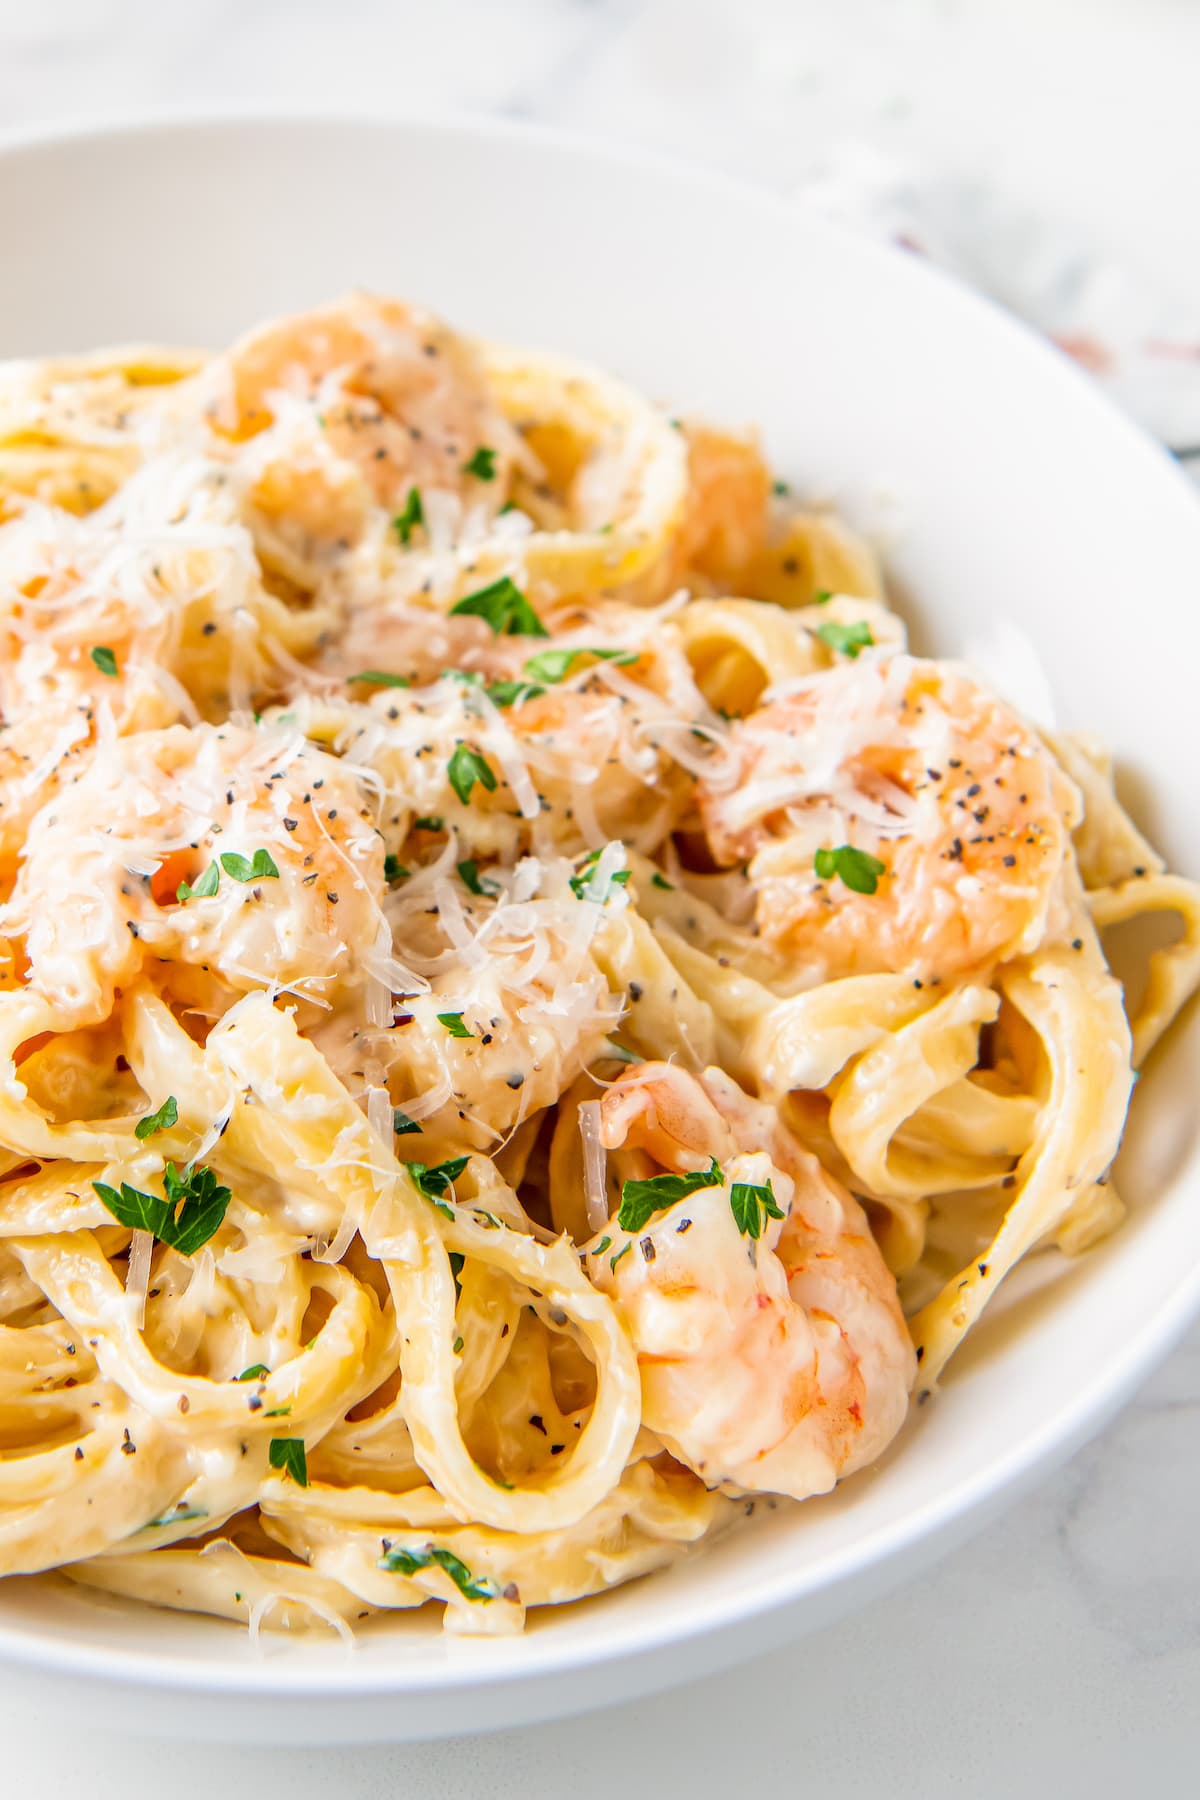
[[1064, 1429]]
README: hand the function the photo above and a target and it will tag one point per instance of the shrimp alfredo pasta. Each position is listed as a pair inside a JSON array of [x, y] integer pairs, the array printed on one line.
[[526, 1016]]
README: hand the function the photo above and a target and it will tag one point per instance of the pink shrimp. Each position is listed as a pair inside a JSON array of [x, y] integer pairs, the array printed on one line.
[[772, 1349]]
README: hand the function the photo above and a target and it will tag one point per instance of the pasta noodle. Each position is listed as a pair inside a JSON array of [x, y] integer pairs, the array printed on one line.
[[529, 1023]]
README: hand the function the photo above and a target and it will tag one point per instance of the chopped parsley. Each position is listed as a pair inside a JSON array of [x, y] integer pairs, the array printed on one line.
[[554, 665], [407, 1562], [505, 608], [434, 1182], [483, 464], [192, 1211], [581, 883], [660, 881], [104, 660], [822, 597], [604, 1244], [256, 1372], [427, 822], [259, 867], [203, 889], [640, 1200], [507, 693], [779, 489], [623, 1251], [454, 1025], [856, 868], [162, 1120], [402, 1125], [411, 514], [847, 640], [393, 869], [752, 1206], [287, 1455], [468, 874], [458, 1345], [465, 768], [381, 678]]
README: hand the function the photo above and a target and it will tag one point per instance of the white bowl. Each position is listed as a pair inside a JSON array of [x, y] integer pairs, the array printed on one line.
[[1021, 497]]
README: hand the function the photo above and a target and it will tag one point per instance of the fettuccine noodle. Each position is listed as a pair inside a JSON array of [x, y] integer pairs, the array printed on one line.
[[528, 1020]]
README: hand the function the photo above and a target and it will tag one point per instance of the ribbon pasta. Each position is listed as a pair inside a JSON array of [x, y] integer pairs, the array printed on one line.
[[509, 975]]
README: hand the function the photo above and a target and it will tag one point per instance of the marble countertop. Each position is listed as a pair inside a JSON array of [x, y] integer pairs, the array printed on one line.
[[1047, 151]]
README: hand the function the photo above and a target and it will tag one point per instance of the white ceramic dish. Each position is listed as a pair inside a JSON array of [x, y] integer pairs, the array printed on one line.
[[1020, 497]]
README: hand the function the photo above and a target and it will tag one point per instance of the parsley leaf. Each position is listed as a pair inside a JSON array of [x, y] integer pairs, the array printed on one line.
[[505, 608], [822, 596], [287, 1454], [433, 1182], [412, 513], [192, 1212], [393, 868], [256, 868], [660, 881], [508, 693], [471, 879], [162, 1120], [752, 1206], [857, 869], [623, 1251], [407, 1562], [256, 1372], [554, 665], [640, 1200], [847, 640], [427, 822], [203, 889], [402, 1125], [779, 489], [465, 768], [104, 659], [483, 464], [380, 678], [581, 883], [454, 1025]]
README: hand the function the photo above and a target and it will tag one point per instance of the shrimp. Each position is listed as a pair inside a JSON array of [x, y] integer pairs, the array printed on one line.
[[776, 1363], [963, 816], [345, 409], [274, 840]]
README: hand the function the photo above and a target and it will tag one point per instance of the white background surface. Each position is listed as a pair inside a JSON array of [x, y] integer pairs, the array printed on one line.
[[1050, 148]]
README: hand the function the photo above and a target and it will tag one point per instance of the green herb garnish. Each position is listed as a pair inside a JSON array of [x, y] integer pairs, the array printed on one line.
[[505, 608], [640, 1200], [483, 464], [623, 1251], [407, 1562], [508, 693], [847, 640], [453, 1021], [104, 660], [259, 867], [468, 874], [402, 1125], [554, 665], [411, 514], [192, 1211], [427, 822], [380, 678], [162, 1120], [660, 881], [287, 1455], [856, 868], [581, 881], [203, 889], [393, 868], [465, 768], [434, 1182], [256, 1372], [752, 1206]]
